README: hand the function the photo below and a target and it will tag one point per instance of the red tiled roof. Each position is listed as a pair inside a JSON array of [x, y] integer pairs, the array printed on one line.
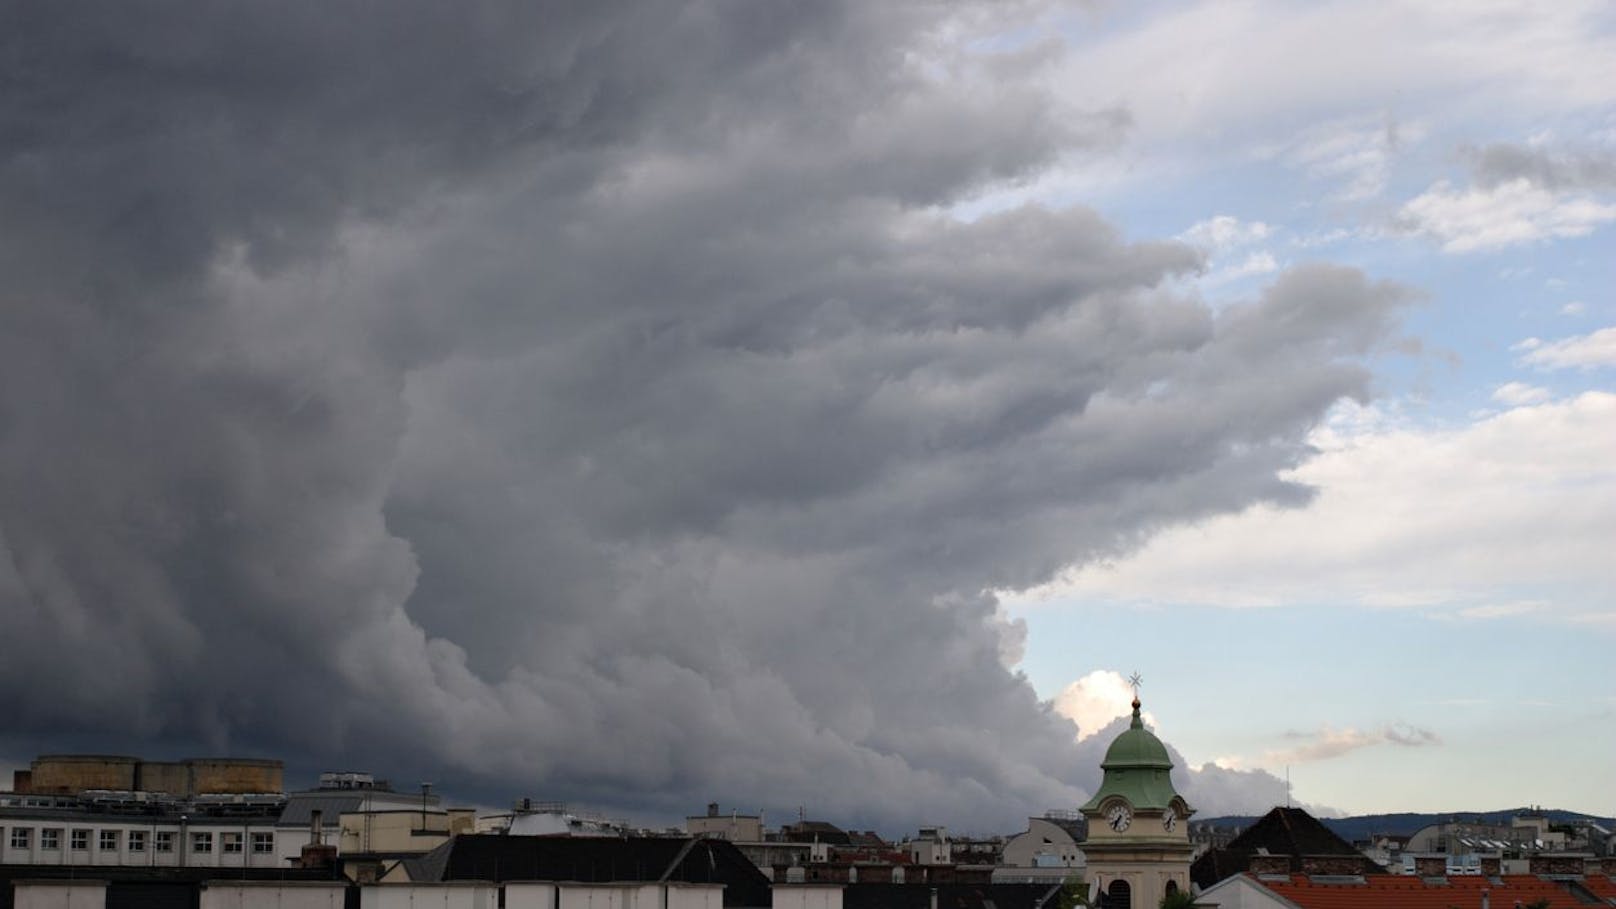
[[1602, 885], [1396, 891]]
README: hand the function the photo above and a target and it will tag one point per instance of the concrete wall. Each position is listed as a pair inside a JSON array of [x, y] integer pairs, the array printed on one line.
[[695, 896], [215, 776], [807, 896], [272, 895], [530, 895], [172, 777], [73, 773], [627, 896], [60, 894], [456, 895], [601, 896]]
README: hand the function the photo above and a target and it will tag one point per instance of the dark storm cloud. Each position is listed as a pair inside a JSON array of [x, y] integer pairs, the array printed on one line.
[[591, 401]]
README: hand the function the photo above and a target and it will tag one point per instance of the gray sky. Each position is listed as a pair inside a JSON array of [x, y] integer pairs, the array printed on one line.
[[604, 401]]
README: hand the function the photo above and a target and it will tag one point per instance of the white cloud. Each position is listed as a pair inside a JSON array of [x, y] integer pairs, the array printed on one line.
[[1096, 699], [1224, 232], [1580, 351], [1574, 308], [1445, 518], [1216, 68], [1517, 393], [1355, 153], [1317, 239], [1260, 262], [1509, 214], [1499, 610], [1329, 743]]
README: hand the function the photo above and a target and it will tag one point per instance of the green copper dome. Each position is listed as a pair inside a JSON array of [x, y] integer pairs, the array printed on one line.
[[1138, 769], [1137, 747]]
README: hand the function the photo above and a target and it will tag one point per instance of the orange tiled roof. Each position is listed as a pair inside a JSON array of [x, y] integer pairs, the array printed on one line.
[[1602, 885], [1396, 891]]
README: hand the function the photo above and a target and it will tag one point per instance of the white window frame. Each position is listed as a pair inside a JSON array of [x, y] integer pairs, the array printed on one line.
[[231, 843], [263, 843], [201, 842], [50, 838], [163, 841], [22, 837], [137, 841], [78, 839], [107, 840]]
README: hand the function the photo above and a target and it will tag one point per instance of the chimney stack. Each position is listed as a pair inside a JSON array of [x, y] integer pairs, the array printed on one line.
[[316, 827]]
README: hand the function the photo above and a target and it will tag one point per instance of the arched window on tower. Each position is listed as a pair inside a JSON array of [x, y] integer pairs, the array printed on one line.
[[1119, 895]]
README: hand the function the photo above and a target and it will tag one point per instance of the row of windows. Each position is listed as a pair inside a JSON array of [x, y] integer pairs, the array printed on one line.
[[161, 840]]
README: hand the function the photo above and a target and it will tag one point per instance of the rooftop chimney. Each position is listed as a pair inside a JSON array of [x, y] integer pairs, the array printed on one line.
[[316, 828]]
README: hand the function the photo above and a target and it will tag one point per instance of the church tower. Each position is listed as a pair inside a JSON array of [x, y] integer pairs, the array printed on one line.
[[1138, 846]]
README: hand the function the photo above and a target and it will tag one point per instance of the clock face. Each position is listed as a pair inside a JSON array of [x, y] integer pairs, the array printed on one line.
[[1119, 818], [1170, 819]]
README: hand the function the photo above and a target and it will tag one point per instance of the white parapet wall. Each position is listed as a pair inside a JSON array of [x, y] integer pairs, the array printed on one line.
[[808, 896], [449, 895], [530, 895], [273, 895], [72, 894], [697, 896], [625, 895]]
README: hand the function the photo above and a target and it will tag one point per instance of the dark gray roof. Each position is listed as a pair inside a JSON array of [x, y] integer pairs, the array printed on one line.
[[300, 807], [429, 867]]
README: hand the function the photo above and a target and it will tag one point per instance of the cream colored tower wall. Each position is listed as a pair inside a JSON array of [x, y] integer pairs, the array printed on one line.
[[392, 831]]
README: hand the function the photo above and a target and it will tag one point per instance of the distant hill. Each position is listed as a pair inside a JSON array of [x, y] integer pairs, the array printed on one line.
[[1363, 826]]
